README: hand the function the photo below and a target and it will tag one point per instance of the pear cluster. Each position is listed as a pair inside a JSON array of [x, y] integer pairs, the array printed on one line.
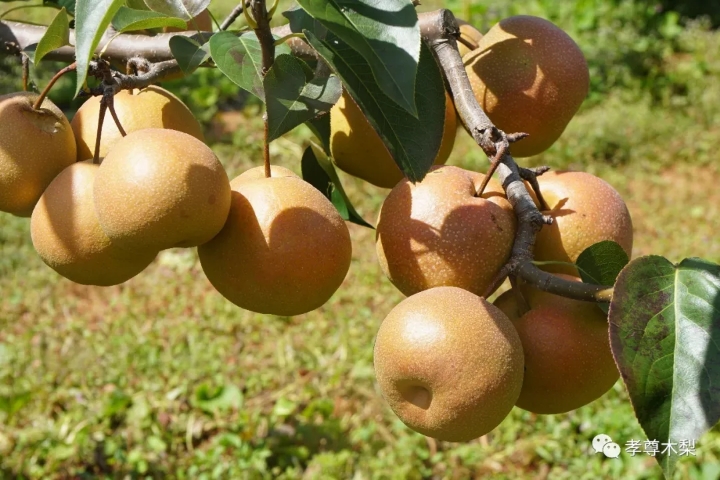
[[272, 245], [450, 364]]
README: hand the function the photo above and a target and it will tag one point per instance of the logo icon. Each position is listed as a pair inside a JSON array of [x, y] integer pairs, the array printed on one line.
[[600, 441], [611, 450]]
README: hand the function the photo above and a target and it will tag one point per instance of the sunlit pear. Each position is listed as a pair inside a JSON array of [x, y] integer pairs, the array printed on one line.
[[449, 363], [568, 362], [66, 233], [256, 173], [529, 76], [284, 249], [35, 145], [358, 150], [470, 34], [586, 210], [159, 189], [438, 233], [151, 107]]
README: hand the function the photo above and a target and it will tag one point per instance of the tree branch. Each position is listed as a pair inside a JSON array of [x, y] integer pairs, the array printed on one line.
[[439, 30]]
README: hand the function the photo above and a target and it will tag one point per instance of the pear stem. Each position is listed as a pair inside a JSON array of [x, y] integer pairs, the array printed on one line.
[[266, 149], [25, 72], [44, 93], [109, 99], [98, 137]]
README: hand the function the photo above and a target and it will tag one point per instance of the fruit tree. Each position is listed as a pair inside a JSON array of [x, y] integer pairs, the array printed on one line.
[[383, 89]]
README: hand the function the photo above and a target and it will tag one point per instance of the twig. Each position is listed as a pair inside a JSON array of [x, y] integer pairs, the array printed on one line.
[[530, 175], [237, 11], [43, 94], [500, 150], [264, 33]]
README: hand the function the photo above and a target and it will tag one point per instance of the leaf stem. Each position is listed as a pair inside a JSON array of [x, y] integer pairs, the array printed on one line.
[[43, 94], [284, 39]]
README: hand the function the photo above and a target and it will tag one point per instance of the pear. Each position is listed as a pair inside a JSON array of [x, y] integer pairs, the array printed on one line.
[[438, 233], [151, 107], [568, 361], [66, 233], [159, 189], [449, 363], [284, 249], [35, 146]]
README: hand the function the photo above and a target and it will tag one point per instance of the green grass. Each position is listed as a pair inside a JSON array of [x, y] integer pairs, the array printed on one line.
[[163, 378]]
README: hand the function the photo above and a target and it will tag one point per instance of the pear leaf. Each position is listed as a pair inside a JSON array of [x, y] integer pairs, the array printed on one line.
[[665, 337]]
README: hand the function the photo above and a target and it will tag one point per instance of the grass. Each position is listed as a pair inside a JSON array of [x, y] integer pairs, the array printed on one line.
[[163, 378]]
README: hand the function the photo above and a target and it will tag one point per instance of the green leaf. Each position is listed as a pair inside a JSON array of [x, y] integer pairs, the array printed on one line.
[[11, 404], [318, 170], [68, 5], [57, 35], [320, 126], [128, 20], [212, 400], [178, 8], [600, 264], [665, 337], [412, 142], [189, 52], [240, 59], [385, 33], [92, 18], [295, 95]]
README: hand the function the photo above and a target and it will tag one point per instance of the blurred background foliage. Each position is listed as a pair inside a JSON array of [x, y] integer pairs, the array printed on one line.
[[163, 378]]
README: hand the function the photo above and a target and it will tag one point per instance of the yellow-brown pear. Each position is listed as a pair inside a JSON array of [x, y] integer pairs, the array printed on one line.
[[470, 35], [66, 233], [35, 145], [159, 189], [586, 210], [438, 233], [449, 363], [358, 150], [284, 249], [151, 107], [568, 362], [529, 76]]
